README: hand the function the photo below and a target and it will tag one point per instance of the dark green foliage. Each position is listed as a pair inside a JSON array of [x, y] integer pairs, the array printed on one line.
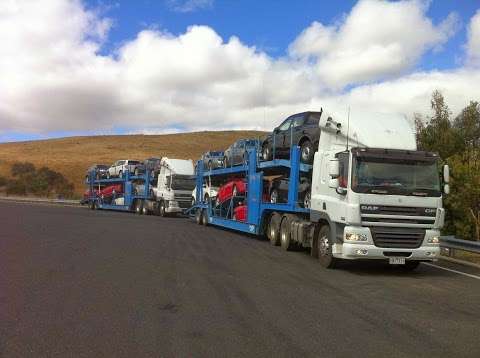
[[22, 169], [458, 143], [41, 182]]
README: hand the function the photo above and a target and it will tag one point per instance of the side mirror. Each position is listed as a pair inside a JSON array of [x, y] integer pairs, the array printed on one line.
[[446, 189], [446, 174], [334, 168], [334, 183]]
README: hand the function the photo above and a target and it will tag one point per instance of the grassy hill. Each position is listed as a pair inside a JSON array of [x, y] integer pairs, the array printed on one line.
[[72, 156]]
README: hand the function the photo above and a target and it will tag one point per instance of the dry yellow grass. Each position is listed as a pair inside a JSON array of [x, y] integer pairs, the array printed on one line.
[[72, 156]]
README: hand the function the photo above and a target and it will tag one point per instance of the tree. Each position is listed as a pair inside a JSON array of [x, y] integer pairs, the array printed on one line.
[[21, 169]]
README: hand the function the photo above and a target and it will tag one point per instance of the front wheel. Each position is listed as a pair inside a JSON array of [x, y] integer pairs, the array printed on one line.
[[324, 248], [162, 209], [307, 151], [266, 152]]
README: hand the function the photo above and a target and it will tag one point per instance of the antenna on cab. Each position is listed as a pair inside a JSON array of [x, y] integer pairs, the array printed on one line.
[[348, 126]]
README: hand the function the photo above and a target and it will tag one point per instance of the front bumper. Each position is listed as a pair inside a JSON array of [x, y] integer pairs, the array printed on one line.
[[368, 250], [174, 206]]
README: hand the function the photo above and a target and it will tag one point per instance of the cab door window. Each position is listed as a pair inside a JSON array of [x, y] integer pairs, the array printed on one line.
[[343, 158]]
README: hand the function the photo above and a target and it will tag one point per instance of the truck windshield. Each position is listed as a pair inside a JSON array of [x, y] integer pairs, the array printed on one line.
[[397, 177], [181, 182]]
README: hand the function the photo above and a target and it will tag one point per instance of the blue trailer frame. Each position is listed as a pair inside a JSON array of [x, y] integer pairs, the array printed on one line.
[[97, 202], [254, 171]]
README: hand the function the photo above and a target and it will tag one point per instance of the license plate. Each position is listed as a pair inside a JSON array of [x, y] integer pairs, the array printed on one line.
[[396, 260]]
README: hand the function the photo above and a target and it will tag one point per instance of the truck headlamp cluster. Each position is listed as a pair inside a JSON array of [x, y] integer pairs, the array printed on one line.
[[433, 240], [355, 237], [172, 203]]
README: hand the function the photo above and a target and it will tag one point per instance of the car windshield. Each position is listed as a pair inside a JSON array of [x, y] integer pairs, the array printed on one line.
[[214, 154], [394, 176], [133, 162], [251, 142], [181, 182]]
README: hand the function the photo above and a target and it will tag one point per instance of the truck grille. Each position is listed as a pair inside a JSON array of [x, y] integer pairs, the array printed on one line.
[[186, 197], [376, 215], [400, 238]]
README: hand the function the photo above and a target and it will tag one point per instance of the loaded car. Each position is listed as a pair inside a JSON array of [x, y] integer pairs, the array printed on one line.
[[152, 165], [209, 192], [212, 160], [279, 191], [232, 188], [237, 153], [240, 213], [97, 171], [120, 167], [301, 129]]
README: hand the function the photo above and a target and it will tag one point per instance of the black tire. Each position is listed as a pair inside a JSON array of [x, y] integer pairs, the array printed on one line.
[[273, 229], [285, 234], [204, 217], [199, 216], [324, 248], [138, 207], [162, 210], [306, 152], [409, 266], [274, 196], [266, 152]]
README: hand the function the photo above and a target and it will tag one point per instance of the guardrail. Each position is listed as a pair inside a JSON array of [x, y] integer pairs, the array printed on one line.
[[450, 242], [20, 199]]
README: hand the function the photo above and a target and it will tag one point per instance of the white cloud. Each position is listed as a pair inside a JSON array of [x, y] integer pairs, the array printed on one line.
[[377, 40], [189, 5], [473, 45], [54, 79]]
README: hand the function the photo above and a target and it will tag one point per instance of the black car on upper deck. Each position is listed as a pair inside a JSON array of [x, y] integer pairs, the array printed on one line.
[[300, 129]]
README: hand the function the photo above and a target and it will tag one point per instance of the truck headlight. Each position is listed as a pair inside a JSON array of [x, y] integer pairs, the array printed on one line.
[[433, 240], [355, 237], [172, 203]]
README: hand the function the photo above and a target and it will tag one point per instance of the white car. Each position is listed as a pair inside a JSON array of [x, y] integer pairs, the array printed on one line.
[[122, 166], [208, 193]]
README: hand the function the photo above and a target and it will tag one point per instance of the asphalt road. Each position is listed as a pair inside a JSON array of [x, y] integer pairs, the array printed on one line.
[[78, 283]]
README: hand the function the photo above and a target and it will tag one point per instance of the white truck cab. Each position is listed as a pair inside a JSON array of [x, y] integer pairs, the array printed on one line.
[[174, 186], [375, 194]]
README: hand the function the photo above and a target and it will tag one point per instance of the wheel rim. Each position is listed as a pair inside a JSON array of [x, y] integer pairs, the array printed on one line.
[[323, 246], [272, 232], [274, 197], [305, 152]]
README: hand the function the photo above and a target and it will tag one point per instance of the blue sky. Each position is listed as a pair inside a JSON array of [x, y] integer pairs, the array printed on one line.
[[269, 25], [151, 66]]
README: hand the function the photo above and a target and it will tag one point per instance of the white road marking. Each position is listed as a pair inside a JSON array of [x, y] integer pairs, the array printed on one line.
[[455, 271]]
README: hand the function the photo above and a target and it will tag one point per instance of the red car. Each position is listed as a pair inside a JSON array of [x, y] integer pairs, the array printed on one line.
[[240, 213], [233, 188], [110, 190]]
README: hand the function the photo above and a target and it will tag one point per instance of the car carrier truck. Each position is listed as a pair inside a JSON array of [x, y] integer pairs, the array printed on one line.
[[373, 195], [168, 193]]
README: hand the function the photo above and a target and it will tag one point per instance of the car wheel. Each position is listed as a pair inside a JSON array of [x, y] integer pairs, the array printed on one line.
[[138, 207], [285, 234], [324, 248], [273, 229], [162, 209], [307, 199], [307, 151], [266, 152], [204, 217], [274, 196]]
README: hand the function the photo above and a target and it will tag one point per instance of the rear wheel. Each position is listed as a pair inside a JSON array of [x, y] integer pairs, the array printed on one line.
[[204, 217], [199, 216], [307, 151], [273, 230], [324, 248], [285, 235], [138, 207], [274, 196], [266, 152]]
